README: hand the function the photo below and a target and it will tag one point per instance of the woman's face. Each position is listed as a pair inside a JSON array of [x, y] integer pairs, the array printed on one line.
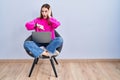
[[44, 12]]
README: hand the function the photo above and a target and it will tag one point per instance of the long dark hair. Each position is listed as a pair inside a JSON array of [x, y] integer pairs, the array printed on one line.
[[46, 6]]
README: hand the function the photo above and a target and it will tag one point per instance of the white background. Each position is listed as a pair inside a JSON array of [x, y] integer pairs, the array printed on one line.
[[90, 28]]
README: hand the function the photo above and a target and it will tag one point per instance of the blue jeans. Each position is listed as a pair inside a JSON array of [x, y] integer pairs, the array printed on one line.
[[34, 47]]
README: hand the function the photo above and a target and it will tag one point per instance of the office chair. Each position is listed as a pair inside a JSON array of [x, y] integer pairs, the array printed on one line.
[[52, 59]]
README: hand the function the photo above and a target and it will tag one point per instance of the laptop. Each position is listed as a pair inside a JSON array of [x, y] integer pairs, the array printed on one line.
[[41, 37]]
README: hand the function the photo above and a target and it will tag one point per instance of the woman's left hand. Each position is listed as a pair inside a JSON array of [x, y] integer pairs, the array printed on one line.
[[49, 13]]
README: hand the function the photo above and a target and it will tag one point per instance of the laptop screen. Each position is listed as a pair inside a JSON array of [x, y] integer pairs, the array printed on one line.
[[41, 37]]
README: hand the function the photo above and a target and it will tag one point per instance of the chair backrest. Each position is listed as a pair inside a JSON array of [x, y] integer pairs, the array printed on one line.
[[30, 39]]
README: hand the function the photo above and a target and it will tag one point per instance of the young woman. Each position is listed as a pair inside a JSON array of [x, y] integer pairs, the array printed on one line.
[[45, 23]]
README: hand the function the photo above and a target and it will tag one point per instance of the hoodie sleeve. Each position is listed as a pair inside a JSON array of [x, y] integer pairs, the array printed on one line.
[[30, 25], [54, 22]]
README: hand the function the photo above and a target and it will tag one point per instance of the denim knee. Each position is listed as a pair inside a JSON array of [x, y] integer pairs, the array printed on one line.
[[57, 42], [33, 48], [26, 43], [59, 39]]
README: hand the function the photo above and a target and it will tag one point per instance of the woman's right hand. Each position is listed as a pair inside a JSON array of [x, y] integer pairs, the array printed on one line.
[[40, 26]]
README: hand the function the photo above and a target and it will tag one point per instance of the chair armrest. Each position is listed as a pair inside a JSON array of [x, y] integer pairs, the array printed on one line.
[[29, 38], [58, 35]]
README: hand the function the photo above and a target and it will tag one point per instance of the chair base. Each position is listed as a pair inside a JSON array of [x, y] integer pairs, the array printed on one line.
[[52, 59]]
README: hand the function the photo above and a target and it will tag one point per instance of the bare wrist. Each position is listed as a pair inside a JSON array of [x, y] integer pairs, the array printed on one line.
[[35, 25]]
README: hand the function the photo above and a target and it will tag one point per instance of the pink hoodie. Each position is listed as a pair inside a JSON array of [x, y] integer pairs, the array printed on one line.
[[44, 22]]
